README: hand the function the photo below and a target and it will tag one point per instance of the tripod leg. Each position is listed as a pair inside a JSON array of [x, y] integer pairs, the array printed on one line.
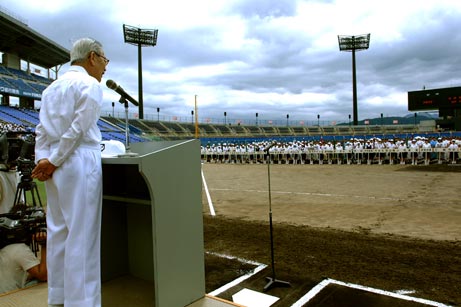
[[17, 196], [35, 190], [33, 198], [25, 197]]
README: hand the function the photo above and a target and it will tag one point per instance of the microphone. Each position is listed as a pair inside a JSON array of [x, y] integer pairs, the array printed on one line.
[[270, 145], [114, 86]]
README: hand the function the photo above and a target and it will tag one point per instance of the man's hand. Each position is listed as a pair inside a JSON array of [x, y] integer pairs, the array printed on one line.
[[43, 170]]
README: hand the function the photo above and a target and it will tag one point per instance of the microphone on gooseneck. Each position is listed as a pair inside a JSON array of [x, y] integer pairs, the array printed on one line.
[[117, 88]]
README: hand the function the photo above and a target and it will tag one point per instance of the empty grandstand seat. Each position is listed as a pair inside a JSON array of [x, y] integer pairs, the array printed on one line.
[[4, 71], [207, 128], [344, 129], [139, 126], [269, 130], [4, 83], [223, 129], [360, 129], [284, 130], [329, 130], [25, 117], [7, 117], [38, 87], [239, 129], [20, 74], [299, 130], [20, 84], [375, 129], [315, 130], [41, 79]]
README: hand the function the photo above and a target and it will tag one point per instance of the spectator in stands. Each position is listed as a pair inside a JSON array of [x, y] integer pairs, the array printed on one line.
[[3, 152], [68, 158], [10, 127], [9, 181], [20, 267]]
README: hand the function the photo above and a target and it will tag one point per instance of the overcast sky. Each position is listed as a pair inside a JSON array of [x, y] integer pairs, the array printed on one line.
[[264, 56]]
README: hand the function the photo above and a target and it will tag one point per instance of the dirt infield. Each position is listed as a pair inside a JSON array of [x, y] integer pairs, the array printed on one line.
[[391, 227]]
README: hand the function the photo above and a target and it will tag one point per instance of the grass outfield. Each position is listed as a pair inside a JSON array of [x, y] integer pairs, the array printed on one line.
[[41, 192]]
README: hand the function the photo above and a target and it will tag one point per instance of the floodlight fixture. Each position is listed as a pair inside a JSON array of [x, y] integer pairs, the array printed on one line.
[[354, 43], [141, 38], [137, 36]]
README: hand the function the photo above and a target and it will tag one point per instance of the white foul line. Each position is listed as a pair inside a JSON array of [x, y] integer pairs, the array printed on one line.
[[227, 286], [312, 194], [208, 197], [314, 291]]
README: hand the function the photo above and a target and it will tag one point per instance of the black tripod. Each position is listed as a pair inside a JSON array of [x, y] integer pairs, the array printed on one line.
[[273, 282], [27, 184]]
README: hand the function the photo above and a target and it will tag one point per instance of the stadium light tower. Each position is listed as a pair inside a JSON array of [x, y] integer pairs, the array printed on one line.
[[353, 43], [140, 38]]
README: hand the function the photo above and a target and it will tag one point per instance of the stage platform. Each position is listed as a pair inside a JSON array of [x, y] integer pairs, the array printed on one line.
[[120, 292], [131, 291]]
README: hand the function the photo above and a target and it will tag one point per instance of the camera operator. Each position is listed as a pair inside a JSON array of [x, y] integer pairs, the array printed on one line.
[[8, 183], [19, 266], [9, 178]]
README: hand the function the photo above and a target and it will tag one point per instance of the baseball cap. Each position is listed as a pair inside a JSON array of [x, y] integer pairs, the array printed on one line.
[[112, 148]]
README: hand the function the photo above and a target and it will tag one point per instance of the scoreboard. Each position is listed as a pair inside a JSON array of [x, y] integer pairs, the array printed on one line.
[[435, 99]]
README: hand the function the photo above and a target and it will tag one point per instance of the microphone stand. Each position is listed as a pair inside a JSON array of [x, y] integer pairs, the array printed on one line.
[[273, 282], [128, 152]]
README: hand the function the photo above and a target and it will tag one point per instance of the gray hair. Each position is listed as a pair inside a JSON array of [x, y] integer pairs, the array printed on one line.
[[82, 47]]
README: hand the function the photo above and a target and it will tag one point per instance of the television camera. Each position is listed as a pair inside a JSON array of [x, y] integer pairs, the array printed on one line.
[[17, 153], [23, 221], [21, 225]]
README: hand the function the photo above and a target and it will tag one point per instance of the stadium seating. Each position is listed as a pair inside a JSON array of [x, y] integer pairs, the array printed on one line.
[[22, 81], [4, 83], [299, 130], [175, 128], [207, 129], [25, 118], [223, 129], [29, 118], [8, 118], [38, 87], [5, 71]]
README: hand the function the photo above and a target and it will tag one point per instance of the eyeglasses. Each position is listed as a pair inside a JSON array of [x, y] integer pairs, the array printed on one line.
[[106, 60]]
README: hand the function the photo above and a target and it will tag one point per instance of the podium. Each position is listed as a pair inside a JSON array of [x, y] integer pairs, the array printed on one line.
[[152, 223]]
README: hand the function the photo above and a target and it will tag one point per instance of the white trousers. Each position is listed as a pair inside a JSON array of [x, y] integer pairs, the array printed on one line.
[[74, 197]]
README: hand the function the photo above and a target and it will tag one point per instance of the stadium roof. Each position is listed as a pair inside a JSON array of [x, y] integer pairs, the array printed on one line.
[[17, 38]]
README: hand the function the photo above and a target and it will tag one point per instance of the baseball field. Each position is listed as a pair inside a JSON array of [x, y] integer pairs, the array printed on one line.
[[390, 227]]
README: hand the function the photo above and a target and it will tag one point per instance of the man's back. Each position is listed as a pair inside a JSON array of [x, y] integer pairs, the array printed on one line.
[[15, 260]]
